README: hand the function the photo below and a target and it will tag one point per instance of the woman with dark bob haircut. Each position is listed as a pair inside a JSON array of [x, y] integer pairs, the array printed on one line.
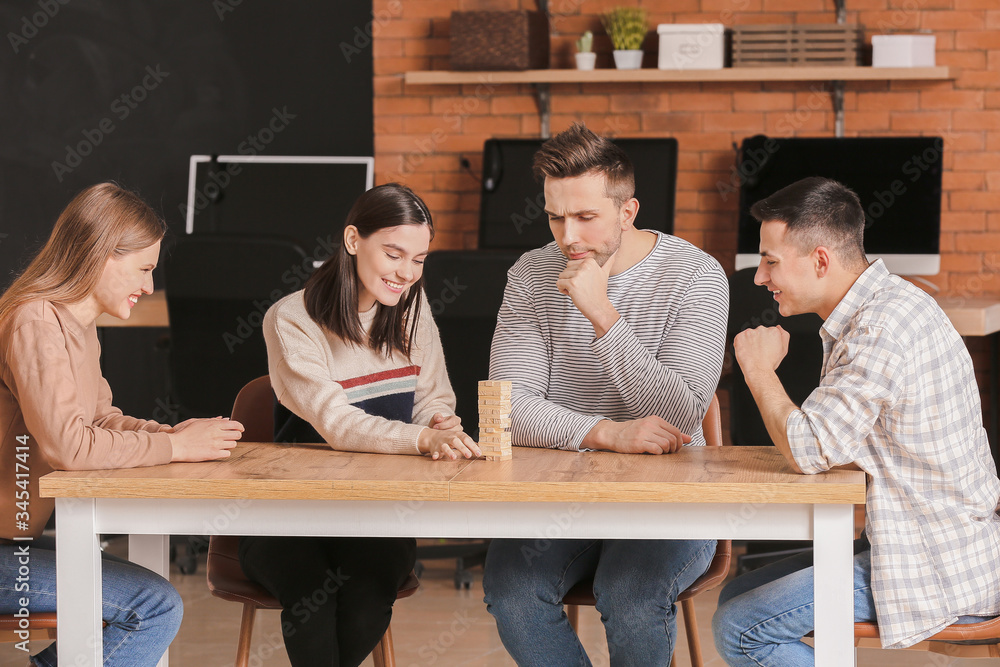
[[355, 361]]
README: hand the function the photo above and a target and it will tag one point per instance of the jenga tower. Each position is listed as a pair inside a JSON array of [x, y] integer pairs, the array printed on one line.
[[494, 420]]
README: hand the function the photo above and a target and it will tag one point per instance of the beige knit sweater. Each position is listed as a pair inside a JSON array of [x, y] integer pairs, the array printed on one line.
[[355, 398]]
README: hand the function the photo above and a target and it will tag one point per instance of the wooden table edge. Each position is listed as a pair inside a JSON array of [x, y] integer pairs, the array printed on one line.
[[678, 492], [269, 489]]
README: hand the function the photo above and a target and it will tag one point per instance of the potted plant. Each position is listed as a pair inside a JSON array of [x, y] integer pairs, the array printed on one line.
[[585, 56], [626, 26]]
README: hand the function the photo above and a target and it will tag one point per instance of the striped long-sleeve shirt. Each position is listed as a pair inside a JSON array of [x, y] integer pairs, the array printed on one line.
[[662, 357]]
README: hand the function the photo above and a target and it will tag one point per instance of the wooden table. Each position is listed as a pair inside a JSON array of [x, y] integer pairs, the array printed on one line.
[[269, 489]]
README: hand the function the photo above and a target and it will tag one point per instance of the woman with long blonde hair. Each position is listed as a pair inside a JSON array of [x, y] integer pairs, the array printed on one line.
[[56, 412]]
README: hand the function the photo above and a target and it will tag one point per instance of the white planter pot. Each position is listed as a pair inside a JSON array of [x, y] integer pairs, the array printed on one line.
[[630, 59], [586, 60]]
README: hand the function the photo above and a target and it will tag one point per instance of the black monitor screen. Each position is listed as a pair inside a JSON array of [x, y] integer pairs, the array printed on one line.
[[898, 180], [305, 200], [512, 213]]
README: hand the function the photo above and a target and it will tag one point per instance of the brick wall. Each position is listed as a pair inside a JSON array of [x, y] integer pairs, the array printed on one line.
[[422, 133]]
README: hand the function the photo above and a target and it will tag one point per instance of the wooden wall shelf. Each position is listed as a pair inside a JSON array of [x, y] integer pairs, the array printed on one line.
[[668, 76]]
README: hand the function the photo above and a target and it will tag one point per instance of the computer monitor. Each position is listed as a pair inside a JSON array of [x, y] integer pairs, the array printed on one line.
[[512, 208], [303, 197], [898, 180]]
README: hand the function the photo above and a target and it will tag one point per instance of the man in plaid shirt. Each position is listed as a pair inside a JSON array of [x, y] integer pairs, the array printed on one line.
[[898, 398]]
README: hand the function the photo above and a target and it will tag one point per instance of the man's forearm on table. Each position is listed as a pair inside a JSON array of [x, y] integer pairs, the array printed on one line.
[[775, 406]]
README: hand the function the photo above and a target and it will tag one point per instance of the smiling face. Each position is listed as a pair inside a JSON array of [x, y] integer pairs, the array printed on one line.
[[124, 280], [787, 272], [584, 221], [389, 261]]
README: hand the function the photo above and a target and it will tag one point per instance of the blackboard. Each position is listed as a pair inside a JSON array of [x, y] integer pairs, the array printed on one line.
[[128, 90]]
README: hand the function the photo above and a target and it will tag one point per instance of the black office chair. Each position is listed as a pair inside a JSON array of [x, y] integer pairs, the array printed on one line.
[[751, 306], [218, 288], [465, 290]]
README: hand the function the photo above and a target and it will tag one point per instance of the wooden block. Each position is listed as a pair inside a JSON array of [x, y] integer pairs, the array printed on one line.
[[495, 391], [494, 402], [486, 444], [494, 395], [503, 457], [496, 383], [499, 420], [493, 414], [503, 425], [494, 438]]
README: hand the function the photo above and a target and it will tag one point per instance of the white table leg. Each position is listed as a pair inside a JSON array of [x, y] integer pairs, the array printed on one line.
[[153, 553], [78, 582], [833, 536]]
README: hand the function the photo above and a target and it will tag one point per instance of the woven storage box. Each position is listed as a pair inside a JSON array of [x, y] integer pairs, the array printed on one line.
[[516, 40], [800, 44]]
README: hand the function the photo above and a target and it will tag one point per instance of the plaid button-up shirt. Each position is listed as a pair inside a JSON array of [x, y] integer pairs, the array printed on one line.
[[898, 397]]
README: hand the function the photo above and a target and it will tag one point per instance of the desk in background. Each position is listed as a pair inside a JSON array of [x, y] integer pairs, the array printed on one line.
[[268, 489], [133, 358], [980, 316], [149, 311]]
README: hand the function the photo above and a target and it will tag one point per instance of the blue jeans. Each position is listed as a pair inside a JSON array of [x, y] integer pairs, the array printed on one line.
[[636, 583], [142, 610], [763, 615]]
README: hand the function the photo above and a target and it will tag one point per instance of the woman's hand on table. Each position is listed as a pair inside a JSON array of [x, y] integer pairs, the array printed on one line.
[[204, 439], [445, 422], [446, 443]]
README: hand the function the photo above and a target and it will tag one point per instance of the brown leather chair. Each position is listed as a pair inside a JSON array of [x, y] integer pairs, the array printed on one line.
[[866, 636], [41, 626], [583, 593], [254, 409]]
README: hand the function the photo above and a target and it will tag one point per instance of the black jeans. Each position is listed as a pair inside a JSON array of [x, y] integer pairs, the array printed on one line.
[[336, 593]]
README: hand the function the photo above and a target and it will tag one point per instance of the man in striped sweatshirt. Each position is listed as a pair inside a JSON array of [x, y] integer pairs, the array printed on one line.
[[613, 338]]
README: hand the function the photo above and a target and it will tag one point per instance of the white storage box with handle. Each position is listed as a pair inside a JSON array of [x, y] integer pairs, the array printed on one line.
[[903, 50], [691, 45]]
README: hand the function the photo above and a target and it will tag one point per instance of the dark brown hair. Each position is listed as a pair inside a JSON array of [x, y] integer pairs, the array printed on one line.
[[102, 221], [331, 293], [819, 212], [577, 152]]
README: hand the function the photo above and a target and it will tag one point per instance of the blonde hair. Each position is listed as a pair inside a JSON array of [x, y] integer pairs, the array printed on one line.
[[101, 222]]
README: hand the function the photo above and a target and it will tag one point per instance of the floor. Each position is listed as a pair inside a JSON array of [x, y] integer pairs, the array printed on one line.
[[437, 626]]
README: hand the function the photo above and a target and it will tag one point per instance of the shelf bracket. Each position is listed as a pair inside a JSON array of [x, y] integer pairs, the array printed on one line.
[[544, 100], [838, 108]]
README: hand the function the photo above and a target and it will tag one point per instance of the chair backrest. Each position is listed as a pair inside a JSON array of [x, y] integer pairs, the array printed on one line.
[[218, 288], [465, 290], [254, 408], [751, 306], [711, 425]]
